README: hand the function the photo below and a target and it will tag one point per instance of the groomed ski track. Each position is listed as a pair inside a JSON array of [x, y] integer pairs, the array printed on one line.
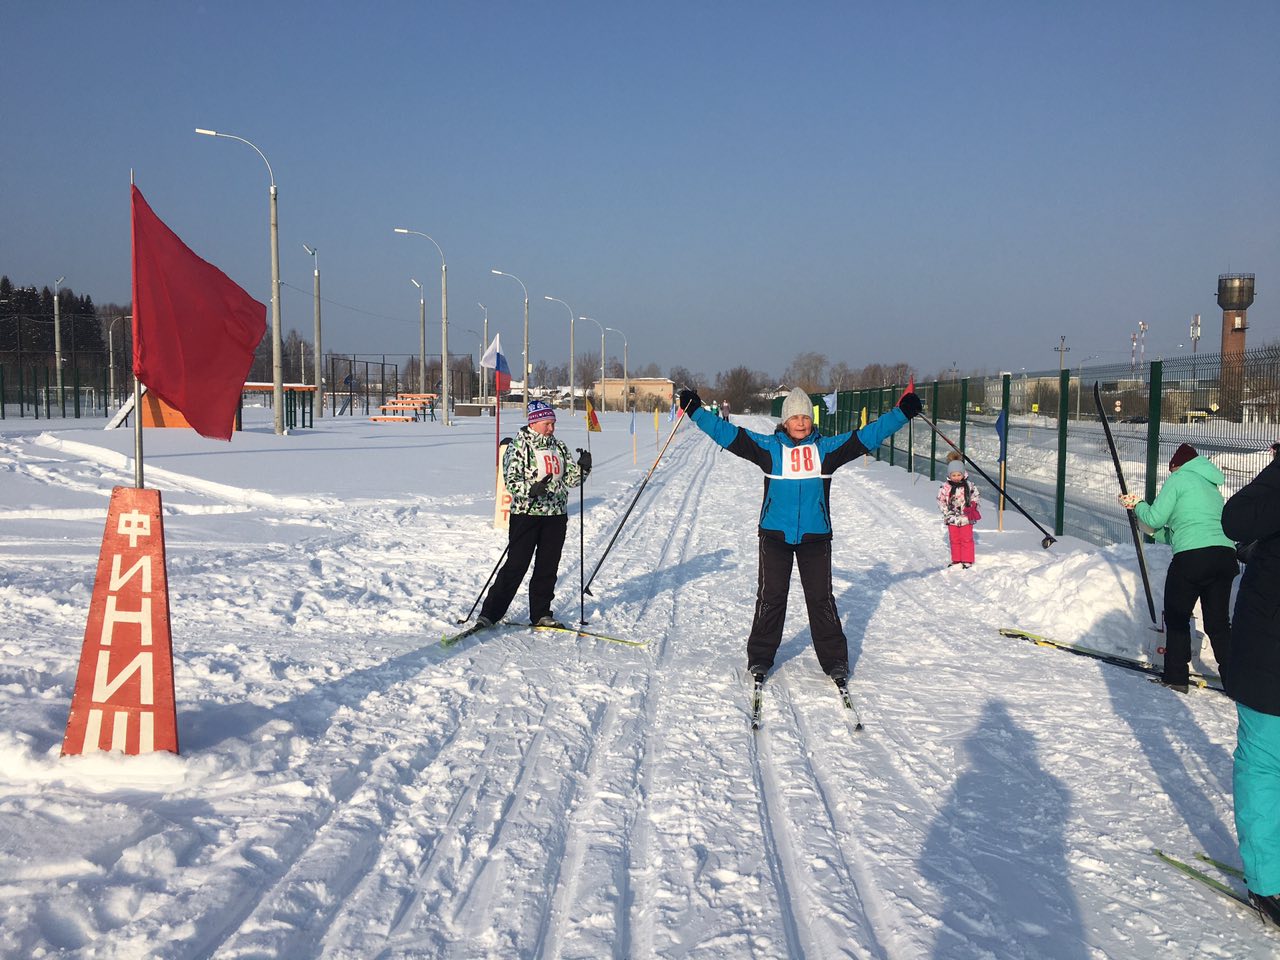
[[536, 795]]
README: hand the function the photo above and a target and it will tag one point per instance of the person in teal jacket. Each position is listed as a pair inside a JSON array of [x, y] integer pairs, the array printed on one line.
[[795, 517], [1187, 515]]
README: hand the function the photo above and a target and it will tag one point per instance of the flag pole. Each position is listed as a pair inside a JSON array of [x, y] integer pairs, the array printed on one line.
[[137, 433], [1000, 527], [137, 388]]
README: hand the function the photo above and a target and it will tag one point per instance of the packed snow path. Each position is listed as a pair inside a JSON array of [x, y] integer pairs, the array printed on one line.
[[350, 788]]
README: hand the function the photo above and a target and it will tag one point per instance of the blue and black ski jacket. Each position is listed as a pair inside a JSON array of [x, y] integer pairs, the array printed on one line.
[[797, 473]]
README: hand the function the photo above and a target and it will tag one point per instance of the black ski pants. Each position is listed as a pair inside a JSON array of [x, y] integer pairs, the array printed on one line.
[[529, 537], [1204, 574], [813, 557]]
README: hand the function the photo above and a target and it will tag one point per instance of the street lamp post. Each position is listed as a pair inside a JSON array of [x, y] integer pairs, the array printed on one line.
[[571, 356], [484, 376], [601, 326], [57, 344], [318, 402], [422, 336], [444, 326], [525, 375], [626, 382], [277, 345]]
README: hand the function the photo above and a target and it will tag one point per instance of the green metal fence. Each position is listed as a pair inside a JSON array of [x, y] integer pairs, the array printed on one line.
[[1057, 465]]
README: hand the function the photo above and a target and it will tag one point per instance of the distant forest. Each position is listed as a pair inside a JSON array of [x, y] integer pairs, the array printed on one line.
[[27, 328]]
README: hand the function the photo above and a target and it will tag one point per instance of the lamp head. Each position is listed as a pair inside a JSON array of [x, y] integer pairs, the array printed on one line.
[[415, 283], [308, 249], [401, 230], [207, 133]]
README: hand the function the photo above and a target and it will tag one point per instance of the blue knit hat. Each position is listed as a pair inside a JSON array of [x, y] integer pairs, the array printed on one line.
[[541, 410]]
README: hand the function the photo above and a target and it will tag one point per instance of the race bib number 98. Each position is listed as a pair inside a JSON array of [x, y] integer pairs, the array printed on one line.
[[801, 463]]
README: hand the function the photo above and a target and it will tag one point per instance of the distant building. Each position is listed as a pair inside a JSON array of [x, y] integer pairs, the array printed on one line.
[[647, 393]]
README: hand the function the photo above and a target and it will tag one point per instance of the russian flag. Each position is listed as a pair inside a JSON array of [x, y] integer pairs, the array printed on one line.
[[495, 361]]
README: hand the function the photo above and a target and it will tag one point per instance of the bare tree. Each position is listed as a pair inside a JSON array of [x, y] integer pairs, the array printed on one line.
[[897, 373], [808, 372], [586, 371], [542, 374], [841, 377], [684, 378], [741, 389]]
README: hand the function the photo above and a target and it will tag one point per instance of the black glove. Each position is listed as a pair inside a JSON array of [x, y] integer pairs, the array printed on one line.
[[584, 461], [689, 401], [910, 405], [540, 488]]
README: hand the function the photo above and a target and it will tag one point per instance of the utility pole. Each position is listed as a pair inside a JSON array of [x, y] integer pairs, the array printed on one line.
[[1063, 350], [1195, 340]]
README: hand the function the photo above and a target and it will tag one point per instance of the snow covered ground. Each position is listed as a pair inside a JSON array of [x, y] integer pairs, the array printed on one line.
[[349, 788]]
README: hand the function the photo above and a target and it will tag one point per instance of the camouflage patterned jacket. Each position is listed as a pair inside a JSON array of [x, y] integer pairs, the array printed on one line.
[[528, 459]]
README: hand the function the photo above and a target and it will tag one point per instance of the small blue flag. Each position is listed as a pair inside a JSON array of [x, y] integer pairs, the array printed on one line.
[[672, 414], [1002, 430], [632, 430]]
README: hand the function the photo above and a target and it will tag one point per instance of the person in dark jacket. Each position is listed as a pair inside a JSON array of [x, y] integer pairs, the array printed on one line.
[[1254, 684], [538, 472], [795, 517], [1187, 515]]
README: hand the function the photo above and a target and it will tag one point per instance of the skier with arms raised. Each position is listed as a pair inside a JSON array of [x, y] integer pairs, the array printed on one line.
[[795, 518]]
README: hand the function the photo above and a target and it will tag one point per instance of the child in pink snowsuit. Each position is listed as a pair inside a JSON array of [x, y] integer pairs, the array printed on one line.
[[958, 499]]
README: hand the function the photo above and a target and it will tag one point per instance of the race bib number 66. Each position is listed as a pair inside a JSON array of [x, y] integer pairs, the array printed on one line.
[[801, 463]]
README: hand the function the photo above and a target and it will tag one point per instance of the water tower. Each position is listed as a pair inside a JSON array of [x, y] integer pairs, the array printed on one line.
[[1235, 296]]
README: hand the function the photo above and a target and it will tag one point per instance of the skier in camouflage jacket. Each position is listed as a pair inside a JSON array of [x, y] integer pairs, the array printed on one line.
[[538, 471]]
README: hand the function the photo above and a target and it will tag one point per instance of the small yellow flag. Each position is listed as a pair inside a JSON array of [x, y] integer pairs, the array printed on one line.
[[593, 422], [864, 417]]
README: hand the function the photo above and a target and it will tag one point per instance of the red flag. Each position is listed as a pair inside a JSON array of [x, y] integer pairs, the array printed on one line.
[[194, 328]]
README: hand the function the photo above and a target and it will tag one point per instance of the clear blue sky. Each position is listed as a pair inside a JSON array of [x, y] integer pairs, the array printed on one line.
[[727, 183]]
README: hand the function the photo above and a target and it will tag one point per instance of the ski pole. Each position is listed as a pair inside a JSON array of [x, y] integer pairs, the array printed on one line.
[[1048, 537], [486, 583], [582, 560], [586, 590], [493, 572], [1133, 520]]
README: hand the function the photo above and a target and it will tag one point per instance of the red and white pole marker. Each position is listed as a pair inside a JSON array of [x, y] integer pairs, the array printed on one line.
[[123, 697]]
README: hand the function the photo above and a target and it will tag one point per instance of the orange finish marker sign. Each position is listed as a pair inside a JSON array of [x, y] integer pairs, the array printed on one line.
[[123, 698]]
